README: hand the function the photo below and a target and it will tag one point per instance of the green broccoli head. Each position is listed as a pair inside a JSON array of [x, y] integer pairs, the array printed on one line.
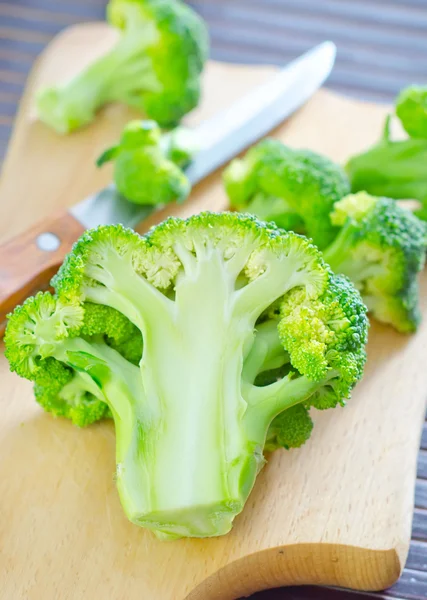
[[145, 169], [196, 339], [411, 108], [291, 429], [177, 57], [155, 67], [294, 188], [326, 338], [381, 247]]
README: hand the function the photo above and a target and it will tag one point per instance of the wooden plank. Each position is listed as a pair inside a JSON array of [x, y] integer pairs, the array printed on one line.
[[316, 593], [421, 494], [17, 56], [422, 464], [38, 15], [417, 557], [412, 585], [419, 524], [23, 35], [424, 437], [294, 23], [12, 76]]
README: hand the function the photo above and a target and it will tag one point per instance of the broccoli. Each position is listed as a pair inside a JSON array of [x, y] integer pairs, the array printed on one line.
[[154, 67], [147, 165], [290, 429], [381, 247], [296, 189], [396, 168], [168, 333], [411, 108]]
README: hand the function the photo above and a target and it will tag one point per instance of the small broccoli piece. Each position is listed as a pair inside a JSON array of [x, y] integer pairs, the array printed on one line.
[[296, 189], [208, 306], [381, 247], [396, 168], [291, 429], [155, 67], [145, 169], [411, 108]]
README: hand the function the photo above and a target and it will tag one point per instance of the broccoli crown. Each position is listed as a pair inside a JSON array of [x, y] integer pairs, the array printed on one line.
[[296, 189], [145, 169], [155, 66], [326, 338], [411, 108], [177, 55], [195, 338], [58, 388], [381, 247]]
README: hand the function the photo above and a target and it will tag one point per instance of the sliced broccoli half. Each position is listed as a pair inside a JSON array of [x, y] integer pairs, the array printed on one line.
[[381, 247], [155, 67], [172, 334], [296, 189], [148, 166], [396, 168]]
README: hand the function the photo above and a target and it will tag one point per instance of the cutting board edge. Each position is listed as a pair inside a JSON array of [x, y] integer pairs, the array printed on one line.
[[296, 564]]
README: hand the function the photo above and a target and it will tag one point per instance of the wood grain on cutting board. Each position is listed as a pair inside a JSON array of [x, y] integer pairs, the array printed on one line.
[[336, 512]]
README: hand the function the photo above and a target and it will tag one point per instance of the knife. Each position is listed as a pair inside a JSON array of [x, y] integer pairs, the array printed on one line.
[[29, 260]]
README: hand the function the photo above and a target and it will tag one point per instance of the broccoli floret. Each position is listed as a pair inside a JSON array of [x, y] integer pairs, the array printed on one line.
[[395, 168], [155, 67], [147, 164], [291, 429], [411, 108], [296, 189], [376, 243], [381, 247], [214, 302]]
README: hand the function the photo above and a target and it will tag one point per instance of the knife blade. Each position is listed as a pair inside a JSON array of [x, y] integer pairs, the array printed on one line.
[[28, 261]]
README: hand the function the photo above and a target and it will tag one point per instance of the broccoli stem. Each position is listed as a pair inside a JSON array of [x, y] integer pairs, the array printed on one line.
[[395, 169], [358, 267], [189, 384], [267, 352], [269, 401], [110, 78], [189, 429], [338, 251], [276, 279]]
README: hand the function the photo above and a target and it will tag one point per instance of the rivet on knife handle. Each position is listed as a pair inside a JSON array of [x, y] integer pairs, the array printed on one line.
[[28, 261]]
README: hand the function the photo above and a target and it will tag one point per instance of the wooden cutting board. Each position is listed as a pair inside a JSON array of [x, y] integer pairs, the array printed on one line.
[[337, 512]]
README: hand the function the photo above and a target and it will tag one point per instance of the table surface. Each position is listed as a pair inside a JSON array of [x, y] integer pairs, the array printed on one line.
[[382, 46]]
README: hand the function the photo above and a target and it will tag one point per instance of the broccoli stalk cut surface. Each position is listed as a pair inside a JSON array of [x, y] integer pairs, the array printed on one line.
[[196, 339], [155, 67], [396, 168], [148, 166], [296, 189], [381, 247]]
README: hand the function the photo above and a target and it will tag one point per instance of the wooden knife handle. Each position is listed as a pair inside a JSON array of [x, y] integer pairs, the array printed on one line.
[[29, 260]]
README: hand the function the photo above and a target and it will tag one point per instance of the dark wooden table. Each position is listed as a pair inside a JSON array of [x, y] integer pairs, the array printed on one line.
[[382, 46]]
